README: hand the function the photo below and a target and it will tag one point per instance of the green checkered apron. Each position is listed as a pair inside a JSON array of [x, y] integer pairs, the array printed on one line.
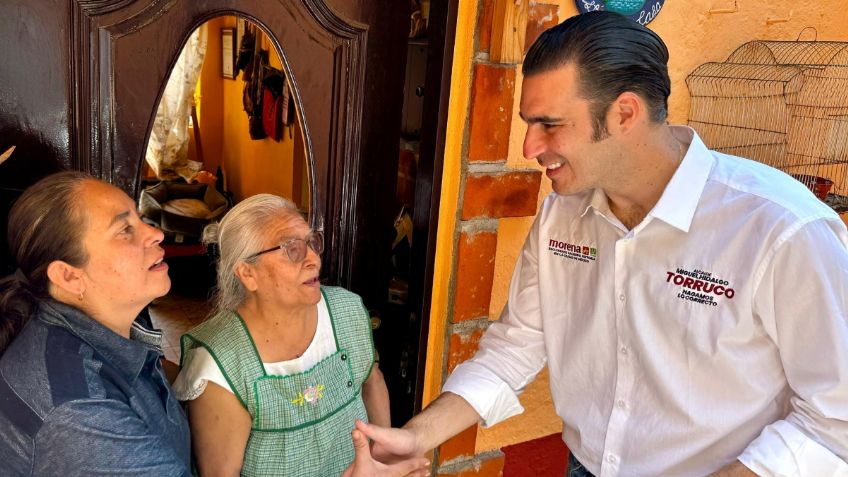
[[301, 423]]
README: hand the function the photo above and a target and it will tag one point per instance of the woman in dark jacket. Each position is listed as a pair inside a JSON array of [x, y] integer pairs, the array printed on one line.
[[82, 391]]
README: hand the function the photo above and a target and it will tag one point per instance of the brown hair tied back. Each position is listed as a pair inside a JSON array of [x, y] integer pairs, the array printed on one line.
[[45, 224]]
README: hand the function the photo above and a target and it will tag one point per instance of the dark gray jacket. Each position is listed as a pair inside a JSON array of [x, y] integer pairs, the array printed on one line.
[[76, 399]]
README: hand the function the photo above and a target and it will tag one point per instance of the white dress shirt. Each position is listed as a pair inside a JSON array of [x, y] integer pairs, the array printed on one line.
[[714, 330]]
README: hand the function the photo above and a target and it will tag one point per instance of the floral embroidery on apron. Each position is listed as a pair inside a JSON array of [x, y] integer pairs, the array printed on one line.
[[309, 395]]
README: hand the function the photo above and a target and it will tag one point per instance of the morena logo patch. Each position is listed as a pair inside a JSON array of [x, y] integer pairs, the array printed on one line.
[[581, 253]]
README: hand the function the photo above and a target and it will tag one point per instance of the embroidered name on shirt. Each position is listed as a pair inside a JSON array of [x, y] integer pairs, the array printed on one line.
[[700, 286], [582, 253]]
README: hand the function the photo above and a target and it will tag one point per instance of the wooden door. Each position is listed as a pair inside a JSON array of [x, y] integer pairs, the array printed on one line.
[[80, 82]]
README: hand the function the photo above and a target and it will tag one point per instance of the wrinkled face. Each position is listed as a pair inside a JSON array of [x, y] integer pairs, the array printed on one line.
[[280, 280], [125, 267], [560, 132]]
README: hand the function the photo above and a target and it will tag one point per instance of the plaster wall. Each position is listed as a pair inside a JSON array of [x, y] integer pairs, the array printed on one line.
[[251, 166]]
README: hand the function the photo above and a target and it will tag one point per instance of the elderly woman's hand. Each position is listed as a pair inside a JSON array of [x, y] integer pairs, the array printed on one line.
[[365, 466]]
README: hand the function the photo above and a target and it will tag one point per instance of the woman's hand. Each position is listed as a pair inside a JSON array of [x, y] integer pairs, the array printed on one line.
[[365, 466]]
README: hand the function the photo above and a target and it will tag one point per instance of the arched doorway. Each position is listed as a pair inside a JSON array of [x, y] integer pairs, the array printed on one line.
[[125, 51]]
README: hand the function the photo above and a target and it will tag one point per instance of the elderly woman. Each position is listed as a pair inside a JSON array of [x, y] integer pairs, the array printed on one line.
[[82, 391], [278, 375]]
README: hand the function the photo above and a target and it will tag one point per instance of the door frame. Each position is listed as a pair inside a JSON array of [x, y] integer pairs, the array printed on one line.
[[112, 116], [428, 180]]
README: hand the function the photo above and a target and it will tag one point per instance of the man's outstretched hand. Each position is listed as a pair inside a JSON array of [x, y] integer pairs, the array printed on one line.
[[390, 444], [365, 466], [400, 450]]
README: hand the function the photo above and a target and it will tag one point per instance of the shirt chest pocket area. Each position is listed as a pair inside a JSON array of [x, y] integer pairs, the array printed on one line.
[[708, 312], [300, 400]]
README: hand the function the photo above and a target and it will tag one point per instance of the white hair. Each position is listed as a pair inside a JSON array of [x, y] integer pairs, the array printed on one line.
[[241, 233]]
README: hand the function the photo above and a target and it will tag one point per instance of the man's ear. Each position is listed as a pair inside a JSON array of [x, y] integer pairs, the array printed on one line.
[[247, 275], [66, 277], [626, 112]]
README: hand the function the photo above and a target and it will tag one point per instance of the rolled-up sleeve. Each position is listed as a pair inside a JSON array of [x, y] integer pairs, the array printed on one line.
[[802, 301], [512, 351], [101, 437]]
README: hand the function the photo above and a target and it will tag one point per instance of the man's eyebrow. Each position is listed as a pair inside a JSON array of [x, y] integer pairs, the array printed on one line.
[[539, 119], [119, 217]]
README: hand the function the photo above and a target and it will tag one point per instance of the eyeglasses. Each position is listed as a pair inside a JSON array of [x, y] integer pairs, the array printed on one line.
[[295, 248]]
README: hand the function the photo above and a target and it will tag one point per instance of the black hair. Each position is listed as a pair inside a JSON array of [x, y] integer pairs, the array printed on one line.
[[45, 224], [613, 54]]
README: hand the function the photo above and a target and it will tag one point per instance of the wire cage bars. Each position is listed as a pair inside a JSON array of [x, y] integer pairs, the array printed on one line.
[[783, 103]]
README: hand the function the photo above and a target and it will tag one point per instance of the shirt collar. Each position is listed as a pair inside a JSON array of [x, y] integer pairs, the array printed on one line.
[[680, 198], [596, 200], [126, 355]]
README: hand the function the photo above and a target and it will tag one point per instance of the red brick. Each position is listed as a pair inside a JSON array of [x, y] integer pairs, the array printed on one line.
[[461, 445], [540, 17], [504, 194], [492, 95], [475, 271], [462, 347], [484, 25], [479, 467]]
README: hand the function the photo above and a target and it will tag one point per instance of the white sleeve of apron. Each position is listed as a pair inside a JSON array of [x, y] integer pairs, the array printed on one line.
[[198, 369]]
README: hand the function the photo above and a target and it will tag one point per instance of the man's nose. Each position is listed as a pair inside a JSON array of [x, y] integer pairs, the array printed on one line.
[[534, 144]]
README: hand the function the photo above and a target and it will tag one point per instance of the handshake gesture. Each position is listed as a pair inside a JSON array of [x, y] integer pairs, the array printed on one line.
[[392, 454], [397, 452]]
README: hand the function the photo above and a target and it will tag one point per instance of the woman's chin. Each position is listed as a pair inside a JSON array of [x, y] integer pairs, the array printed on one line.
[[163, 288], [313, 294]]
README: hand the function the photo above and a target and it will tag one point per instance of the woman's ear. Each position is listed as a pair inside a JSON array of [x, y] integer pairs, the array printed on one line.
[[66, 277], [247, 275]]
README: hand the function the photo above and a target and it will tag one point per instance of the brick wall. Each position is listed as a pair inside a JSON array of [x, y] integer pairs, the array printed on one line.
[[490, 191]]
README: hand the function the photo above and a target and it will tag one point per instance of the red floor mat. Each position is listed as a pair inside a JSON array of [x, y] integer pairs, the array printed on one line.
[[543, 457]]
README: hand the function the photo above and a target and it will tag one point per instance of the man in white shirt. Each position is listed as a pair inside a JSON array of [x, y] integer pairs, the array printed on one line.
[[691, 306]]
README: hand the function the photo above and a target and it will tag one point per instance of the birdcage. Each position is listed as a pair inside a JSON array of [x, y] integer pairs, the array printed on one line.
[[783, 103]]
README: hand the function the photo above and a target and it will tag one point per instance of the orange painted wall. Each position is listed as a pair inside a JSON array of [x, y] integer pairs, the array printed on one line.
[[251, 166], [211, 97], [694, 35]]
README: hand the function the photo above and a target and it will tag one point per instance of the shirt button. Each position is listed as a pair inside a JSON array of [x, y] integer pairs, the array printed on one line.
[[621, 297], [611, 458], [350, 384], [344, 357], [623, 350], [621, 403]]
